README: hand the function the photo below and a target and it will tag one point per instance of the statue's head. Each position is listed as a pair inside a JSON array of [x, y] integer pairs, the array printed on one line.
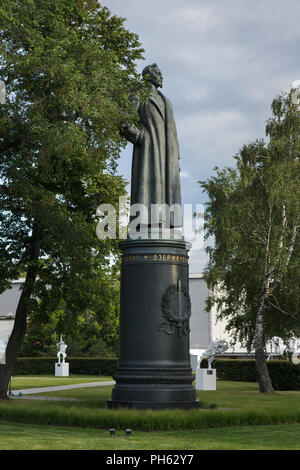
[[154, 75]]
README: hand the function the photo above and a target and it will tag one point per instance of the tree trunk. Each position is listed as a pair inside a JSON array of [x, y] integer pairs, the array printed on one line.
[[264, 380], [19, 329]]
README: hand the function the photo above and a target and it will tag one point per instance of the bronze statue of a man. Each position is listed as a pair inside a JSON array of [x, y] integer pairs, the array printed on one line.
[[155, 175], [155, 305]]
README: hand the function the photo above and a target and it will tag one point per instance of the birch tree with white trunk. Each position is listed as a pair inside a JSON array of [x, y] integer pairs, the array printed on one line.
[[253, 214]]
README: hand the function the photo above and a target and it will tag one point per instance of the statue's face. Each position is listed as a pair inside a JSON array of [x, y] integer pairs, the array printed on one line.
[[156, 77]]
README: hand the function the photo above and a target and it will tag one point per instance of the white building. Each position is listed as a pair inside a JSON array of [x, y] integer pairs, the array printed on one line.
[[204, 325], [10, 298], [8, 305]]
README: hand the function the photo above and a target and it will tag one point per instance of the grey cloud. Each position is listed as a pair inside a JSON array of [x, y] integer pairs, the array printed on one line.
[[223, 63]]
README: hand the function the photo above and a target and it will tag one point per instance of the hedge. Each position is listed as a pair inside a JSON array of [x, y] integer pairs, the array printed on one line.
[[241, 370], [284, 375], [77, 365]]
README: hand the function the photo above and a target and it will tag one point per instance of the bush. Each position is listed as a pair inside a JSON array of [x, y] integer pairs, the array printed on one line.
[[283, 374], [77, 365], [55, 414], [241, 370], [92, 366]]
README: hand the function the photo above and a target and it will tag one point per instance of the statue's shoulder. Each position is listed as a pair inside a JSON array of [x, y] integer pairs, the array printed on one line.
[[166, 100]]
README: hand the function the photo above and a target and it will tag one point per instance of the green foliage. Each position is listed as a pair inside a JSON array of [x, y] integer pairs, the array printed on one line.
[[69, 69], [93, 332], [253, 217], [77, 365]]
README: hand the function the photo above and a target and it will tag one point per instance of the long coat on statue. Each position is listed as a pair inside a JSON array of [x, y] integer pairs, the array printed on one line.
[[155, 175]]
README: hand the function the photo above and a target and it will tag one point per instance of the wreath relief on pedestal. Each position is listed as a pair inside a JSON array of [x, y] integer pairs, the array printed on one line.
[[176, 308]]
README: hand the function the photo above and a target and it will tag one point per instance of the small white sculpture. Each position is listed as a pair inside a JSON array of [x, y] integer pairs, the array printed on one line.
[[274, 343], [62, 346], [217, 347], [296, 353]]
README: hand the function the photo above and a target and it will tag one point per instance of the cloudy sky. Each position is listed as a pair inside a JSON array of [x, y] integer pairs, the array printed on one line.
[[223, 62]]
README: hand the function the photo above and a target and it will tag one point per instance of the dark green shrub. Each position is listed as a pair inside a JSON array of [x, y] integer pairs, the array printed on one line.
[[34, 366], [92, 366], [77, 365], [284, 375], [241, 370]]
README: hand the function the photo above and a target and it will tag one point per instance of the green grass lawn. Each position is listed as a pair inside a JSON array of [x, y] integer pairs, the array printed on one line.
[[83, 423], [21, 382], [241, 395], [229, 395], [31, 437]]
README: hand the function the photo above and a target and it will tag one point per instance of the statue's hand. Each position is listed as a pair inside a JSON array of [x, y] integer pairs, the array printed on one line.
[[131, 133]]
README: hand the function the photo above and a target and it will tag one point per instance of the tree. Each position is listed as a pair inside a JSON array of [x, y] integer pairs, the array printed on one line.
[[69, 69], [253, 214], [90, 332]]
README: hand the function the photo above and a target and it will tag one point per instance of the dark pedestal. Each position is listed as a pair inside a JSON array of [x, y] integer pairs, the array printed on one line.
[[154, 368]]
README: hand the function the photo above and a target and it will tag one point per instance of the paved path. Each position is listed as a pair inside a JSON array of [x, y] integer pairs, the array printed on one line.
[[32, 391]]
